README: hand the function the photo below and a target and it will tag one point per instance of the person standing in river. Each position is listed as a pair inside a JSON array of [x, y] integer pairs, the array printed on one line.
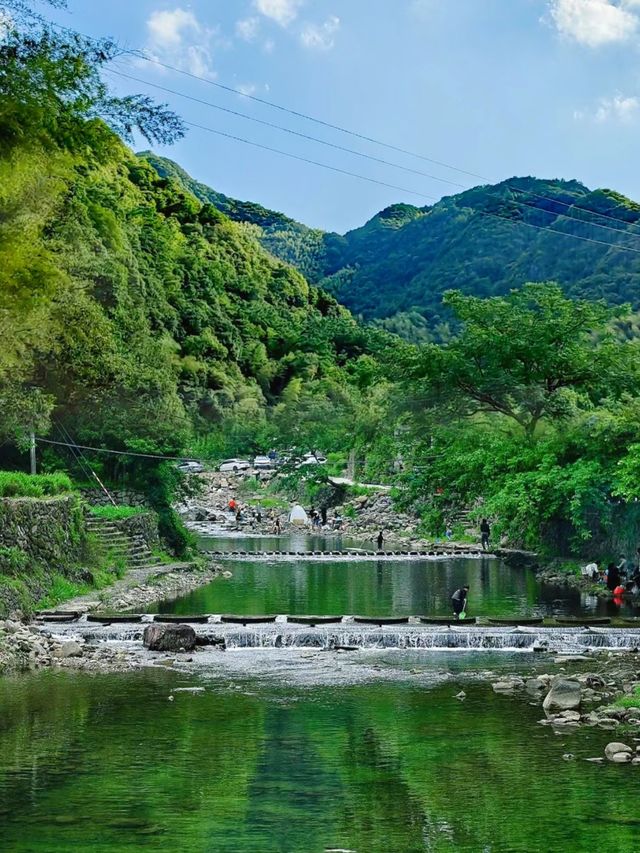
[[485, 534], [380, 540], [459, 601]]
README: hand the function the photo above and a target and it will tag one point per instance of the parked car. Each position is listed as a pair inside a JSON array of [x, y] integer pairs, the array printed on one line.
[[191, 467], [263, 463], [235, 465], [312, 459]]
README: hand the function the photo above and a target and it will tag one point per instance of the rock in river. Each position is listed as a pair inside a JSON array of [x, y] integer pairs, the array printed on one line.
[[69, 649], [619, 753], [564, 695], [169, 638]]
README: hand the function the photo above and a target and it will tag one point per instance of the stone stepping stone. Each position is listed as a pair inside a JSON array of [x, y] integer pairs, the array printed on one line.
[[381, 620], [447, 620], [514, 621], [312, 621], [247, 620], [110, 618], [173, 618]]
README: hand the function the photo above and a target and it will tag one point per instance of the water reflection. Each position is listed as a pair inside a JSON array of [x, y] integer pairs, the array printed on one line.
[[106, 763]]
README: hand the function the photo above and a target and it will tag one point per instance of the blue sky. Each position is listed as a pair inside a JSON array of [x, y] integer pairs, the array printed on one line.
[[497, 87]]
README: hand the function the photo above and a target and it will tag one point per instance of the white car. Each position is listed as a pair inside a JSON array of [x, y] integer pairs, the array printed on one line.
[[191, 467], [263, 463], [313, 459], [235, 465]]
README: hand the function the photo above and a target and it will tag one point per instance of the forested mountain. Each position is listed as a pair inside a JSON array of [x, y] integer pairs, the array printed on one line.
[[132, 314], [484, 241]]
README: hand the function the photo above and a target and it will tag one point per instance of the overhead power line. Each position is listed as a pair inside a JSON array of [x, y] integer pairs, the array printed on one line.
[[75, 446], [369, 157], [306, 136], [307, 160], [578, 207], [614, 246], [141, 54]]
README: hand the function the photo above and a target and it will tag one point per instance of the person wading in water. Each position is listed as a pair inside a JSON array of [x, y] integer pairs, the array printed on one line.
[[459, 601], [380, 541]]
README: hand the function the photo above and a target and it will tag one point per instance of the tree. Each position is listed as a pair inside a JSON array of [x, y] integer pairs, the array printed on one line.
[[528, 356]]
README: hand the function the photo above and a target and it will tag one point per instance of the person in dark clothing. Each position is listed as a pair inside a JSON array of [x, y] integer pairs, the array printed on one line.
[[613, 576], [380, 541], [485, 534], [459, 601], [323, 514]]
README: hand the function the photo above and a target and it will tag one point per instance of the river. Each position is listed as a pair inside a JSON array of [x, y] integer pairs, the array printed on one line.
[[293, 750], [108, 763]]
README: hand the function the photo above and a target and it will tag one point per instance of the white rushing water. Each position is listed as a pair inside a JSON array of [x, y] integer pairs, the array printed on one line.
[[281, 635]]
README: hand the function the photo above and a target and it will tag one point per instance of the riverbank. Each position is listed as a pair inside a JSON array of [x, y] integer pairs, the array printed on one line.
[[27, 646], [358, 517]]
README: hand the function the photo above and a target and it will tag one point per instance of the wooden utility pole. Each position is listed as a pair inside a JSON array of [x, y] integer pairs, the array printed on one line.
[[32, 451]]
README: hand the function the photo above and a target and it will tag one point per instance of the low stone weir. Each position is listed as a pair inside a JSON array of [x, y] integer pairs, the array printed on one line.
[[349, 556], [351, 636]]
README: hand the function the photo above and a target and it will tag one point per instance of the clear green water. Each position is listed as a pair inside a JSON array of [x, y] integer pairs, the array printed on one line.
[[374, 588], [107, 763]]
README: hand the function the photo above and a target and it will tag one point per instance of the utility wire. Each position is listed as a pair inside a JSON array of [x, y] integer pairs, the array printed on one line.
[[614, 246], [141, 54], [116, 452], [578, 207], [286, 129], [138, 53], [579, 221], [369, 157], [307, 160]]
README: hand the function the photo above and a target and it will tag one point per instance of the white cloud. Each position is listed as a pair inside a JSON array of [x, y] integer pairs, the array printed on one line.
[[247, 88], [247, 29], [178, 38], [283, 12], [621, 108], [595, 22], [320, 36]]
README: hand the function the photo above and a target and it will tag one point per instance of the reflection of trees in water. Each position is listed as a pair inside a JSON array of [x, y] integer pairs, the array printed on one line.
[[108, 762]]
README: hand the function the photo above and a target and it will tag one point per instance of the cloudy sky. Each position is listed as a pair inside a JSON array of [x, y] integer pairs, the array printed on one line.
[[492, 87]]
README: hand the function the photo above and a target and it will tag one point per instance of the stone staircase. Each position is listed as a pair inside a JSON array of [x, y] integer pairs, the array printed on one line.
[[118, 544]]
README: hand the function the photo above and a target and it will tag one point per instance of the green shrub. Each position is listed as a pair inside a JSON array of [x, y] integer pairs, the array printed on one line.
[[13, 561], [14, 484], [116, 513]]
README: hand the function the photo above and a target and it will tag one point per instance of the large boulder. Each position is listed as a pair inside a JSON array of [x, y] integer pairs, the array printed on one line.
[[617, 752], [169, 638], [564, 695]]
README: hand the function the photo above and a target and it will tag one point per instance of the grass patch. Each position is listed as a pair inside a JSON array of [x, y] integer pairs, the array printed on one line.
[[630, 701], [116, 513], [14, 484]]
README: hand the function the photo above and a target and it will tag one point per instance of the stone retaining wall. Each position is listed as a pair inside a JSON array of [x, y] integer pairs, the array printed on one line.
[[40, 539], [143, 526], [123, 497], [50, 531]]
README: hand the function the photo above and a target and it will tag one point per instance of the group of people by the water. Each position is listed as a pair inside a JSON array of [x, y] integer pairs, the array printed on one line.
[[620, 578]]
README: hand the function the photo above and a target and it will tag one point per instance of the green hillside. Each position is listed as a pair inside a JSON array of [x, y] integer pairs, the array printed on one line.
[[133, 315], [396, 267]]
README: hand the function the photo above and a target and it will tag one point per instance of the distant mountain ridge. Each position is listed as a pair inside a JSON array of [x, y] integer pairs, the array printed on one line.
[[486, 240]]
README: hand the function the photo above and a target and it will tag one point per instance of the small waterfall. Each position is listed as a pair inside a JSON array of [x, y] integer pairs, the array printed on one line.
[[349, 635], [434, 639]]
